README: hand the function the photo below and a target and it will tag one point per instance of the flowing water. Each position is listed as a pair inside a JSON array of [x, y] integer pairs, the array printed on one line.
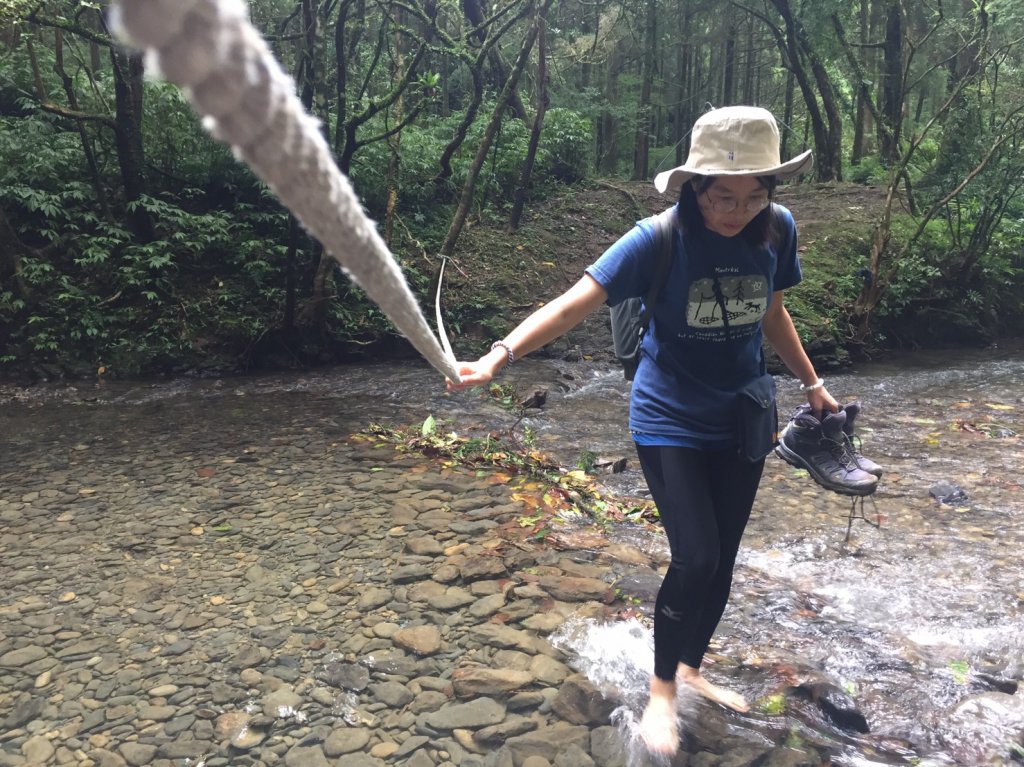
[[913, 607]]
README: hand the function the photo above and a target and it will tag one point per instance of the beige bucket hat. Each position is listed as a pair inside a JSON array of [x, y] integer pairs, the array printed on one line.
[[734, 141]]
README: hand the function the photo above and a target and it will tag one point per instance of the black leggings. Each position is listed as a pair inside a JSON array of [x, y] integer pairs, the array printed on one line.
[[704, 499]]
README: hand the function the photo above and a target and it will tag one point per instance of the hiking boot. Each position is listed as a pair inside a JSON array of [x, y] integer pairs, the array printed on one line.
[[823, 448], [851, 410]]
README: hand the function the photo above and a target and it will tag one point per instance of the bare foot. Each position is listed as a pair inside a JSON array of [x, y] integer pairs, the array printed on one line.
[[692, 677], [659, 726]]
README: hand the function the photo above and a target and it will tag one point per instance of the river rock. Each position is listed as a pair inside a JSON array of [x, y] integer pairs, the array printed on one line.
[[306, 756], [346, 740], [472, 682], [24, 711], [576, 589], [579, 702], [346, 676], [393, 694], [38, 750], [948, 493], [547, 742], [373, 598], [281, 703], [607, 748], [237, 728], [504, 637], [22, 656], [137, 754], [478, 713], [482, 568], [536, 761], [980, 728], [424, 546], [497, 734], [421, 640], [836, 705]]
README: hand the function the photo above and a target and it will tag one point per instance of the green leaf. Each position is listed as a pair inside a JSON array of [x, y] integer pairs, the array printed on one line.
[[429, 426], [961, 671], [773, 704]]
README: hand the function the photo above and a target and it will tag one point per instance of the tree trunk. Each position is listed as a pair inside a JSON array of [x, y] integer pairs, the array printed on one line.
[[291, 260], [538, 125], [308, 74], [314, 310], [608, 135], [683, 114], [468, 189], [442, 179], [341, 75], [474, 14], [729, 68], [128, 71], [11, 249], [87, 148], [750, 68], [891, 106], [861, 113], [787, 112], [395, 145], [825, 120], [641, 156]]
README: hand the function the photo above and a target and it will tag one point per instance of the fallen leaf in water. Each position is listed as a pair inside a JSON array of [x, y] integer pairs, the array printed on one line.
[[206, 471]]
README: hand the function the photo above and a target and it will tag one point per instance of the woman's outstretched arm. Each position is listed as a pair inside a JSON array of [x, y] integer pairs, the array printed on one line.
[[542, 327]]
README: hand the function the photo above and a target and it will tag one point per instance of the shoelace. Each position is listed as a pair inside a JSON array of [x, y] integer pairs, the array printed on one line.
[[855, 449], [842, 450]]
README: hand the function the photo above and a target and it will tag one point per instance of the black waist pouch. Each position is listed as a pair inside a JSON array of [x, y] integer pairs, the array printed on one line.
[[757, 418]]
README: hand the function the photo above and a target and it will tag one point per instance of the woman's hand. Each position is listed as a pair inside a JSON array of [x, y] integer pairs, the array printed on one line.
[[480, 372], [820, 400]]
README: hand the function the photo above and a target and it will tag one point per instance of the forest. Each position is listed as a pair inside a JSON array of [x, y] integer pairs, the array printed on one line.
[[133, 242]]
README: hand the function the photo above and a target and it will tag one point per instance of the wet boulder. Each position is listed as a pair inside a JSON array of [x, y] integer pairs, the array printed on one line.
[[948, 493], [835, 704], [982, 729], [579, 702]]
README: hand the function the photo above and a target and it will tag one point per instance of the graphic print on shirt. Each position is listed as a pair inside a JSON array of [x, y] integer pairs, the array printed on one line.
[[745, 298]]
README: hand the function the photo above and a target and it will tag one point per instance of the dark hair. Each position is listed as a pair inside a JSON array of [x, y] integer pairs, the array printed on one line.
[[760, 230]]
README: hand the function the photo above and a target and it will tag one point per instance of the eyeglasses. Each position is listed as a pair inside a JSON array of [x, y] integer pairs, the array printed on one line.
[[729, 204]]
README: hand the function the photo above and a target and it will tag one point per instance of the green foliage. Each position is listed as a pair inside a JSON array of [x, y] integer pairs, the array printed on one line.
[[934, 300], [108, 300], [868, 171], [587, 460], [210, 289], [566, 146], [563, 155]]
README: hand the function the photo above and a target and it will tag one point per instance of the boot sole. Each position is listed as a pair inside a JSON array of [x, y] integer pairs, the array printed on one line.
[[793, 459]]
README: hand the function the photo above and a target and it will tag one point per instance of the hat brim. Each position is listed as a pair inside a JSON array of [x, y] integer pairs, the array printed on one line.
[[672, 180]]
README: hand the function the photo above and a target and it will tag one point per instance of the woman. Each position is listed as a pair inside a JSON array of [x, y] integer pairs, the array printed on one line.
[[734, 253]]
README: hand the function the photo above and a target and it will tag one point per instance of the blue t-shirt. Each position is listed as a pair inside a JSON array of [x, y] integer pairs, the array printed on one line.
[[684, 391]]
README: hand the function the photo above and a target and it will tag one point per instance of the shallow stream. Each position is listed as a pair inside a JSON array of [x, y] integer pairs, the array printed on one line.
[[916, 610]]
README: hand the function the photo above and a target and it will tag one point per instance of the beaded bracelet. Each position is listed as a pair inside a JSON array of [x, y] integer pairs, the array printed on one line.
[[506, 347], [819, 384]]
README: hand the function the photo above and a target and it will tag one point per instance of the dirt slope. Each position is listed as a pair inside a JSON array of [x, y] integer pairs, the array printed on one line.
[[508, 275]]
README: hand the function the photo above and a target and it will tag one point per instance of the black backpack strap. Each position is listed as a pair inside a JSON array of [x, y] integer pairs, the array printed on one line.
[[664, 228]]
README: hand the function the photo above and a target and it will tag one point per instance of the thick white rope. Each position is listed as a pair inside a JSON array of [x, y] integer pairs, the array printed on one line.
[[210, 50]]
